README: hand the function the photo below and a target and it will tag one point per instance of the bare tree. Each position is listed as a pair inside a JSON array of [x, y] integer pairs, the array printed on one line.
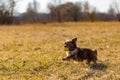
[[86, 7], [71, 11], [29, 8], [90, 11], [55, 12], [116, 7], [33, 7], [7, 12], [11, 9], [65, 12], [32, 11], [111, 10], [79, 5], [92, 14]]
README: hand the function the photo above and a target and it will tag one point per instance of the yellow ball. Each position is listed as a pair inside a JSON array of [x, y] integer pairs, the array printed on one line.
[[66, 49]]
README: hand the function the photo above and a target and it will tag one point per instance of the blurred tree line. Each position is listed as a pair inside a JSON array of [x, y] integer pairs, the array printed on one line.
[[7, 12], [59, 12]]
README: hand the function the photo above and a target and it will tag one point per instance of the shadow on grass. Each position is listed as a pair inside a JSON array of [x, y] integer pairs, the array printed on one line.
[[98, 66]]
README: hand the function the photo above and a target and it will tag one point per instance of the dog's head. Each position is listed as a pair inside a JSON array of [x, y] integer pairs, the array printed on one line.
[[71, 45]]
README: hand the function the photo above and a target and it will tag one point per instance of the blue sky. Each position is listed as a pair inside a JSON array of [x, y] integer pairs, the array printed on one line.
[[101, 5]]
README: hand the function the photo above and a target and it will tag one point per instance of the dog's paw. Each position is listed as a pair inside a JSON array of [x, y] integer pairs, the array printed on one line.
[[63, 59]]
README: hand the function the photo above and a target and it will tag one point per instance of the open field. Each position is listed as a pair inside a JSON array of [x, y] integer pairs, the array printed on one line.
[[34, 51]]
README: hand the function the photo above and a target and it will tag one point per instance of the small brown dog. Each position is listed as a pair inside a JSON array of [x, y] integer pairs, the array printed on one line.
[[79, 54]]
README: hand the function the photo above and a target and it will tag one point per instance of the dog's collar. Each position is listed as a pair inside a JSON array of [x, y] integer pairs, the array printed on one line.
[[75, 49]]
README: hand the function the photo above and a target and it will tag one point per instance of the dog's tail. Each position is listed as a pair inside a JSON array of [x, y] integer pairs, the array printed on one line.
[[95, 51]]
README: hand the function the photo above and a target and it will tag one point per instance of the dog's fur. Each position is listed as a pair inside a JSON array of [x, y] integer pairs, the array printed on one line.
[[79, 54]]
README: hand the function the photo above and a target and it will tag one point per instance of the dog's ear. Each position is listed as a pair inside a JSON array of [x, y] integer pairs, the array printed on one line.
[[74, 39]]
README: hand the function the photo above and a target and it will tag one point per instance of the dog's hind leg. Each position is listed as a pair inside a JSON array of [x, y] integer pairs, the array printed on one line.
[[94, 60], [88, 61]]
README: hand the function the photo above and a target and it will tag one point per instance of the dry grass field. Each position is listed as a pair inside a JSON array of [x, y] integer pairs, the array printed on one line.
[[34, 51]]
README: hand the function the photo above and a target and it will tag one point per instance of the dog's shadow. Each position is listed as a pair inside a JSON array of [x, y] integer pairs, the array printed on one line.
[[98, 66]]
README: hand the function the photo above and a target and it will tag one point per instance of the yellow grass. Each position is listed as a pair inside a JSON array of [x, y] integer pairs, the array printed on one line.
[[34, 51]]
